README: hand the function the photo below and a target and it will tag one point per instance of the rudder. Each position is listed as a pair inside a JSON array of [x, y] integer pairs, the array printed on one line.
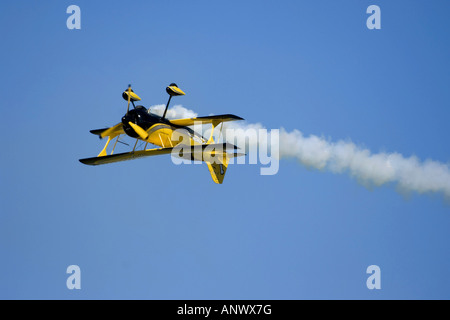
[[218, 168]]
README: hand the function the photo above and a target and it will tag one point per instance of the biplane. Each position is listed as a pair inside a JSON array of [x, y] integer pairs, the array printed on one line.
[[141, 124]]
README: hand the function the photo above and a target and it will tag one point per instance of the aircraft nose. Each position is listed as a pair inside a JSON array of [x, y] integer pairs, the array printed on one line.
[[132, 117], [125, 119]]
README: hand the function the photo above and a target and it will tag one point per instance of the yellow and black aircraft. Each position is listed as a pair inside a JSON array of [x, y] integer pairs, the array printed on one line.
[[141, 124]]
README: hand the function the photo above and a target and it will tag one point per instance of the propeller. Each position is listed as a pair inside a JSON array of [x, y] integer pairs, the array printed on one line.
[[129, 97], [141, 132]]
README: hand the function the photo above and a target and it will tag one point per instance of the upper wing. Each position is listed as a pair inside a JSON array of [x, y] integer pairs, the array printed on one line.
[[111, 132], [209, 119]]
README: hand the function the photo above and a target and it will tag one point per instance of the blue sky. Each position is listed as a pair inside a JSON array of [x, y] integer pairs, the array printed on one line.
[[149, 229]]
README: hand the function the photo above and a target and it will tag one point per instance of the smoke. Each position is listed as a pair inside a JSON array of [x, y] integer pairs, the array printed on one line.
[[409, 174], [175, 112]]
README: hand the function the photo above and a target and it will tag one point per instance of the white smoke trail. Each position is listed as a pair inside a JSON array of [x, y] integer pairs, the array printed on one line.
[[408, 173], [175, 112]]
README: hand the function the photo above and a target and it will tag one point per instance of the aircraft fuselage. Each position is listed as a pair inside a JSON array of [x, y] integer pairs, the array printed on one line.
[[160, 130]]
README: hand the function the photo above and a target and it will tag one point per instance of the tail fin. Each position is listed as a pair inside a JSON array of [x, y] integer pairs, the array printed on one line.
[[218, 168]]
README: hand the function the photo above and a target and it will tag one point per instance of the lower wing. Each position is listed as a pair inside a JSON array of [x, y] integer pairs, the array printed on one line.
[[124, 156], [186, 152]]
